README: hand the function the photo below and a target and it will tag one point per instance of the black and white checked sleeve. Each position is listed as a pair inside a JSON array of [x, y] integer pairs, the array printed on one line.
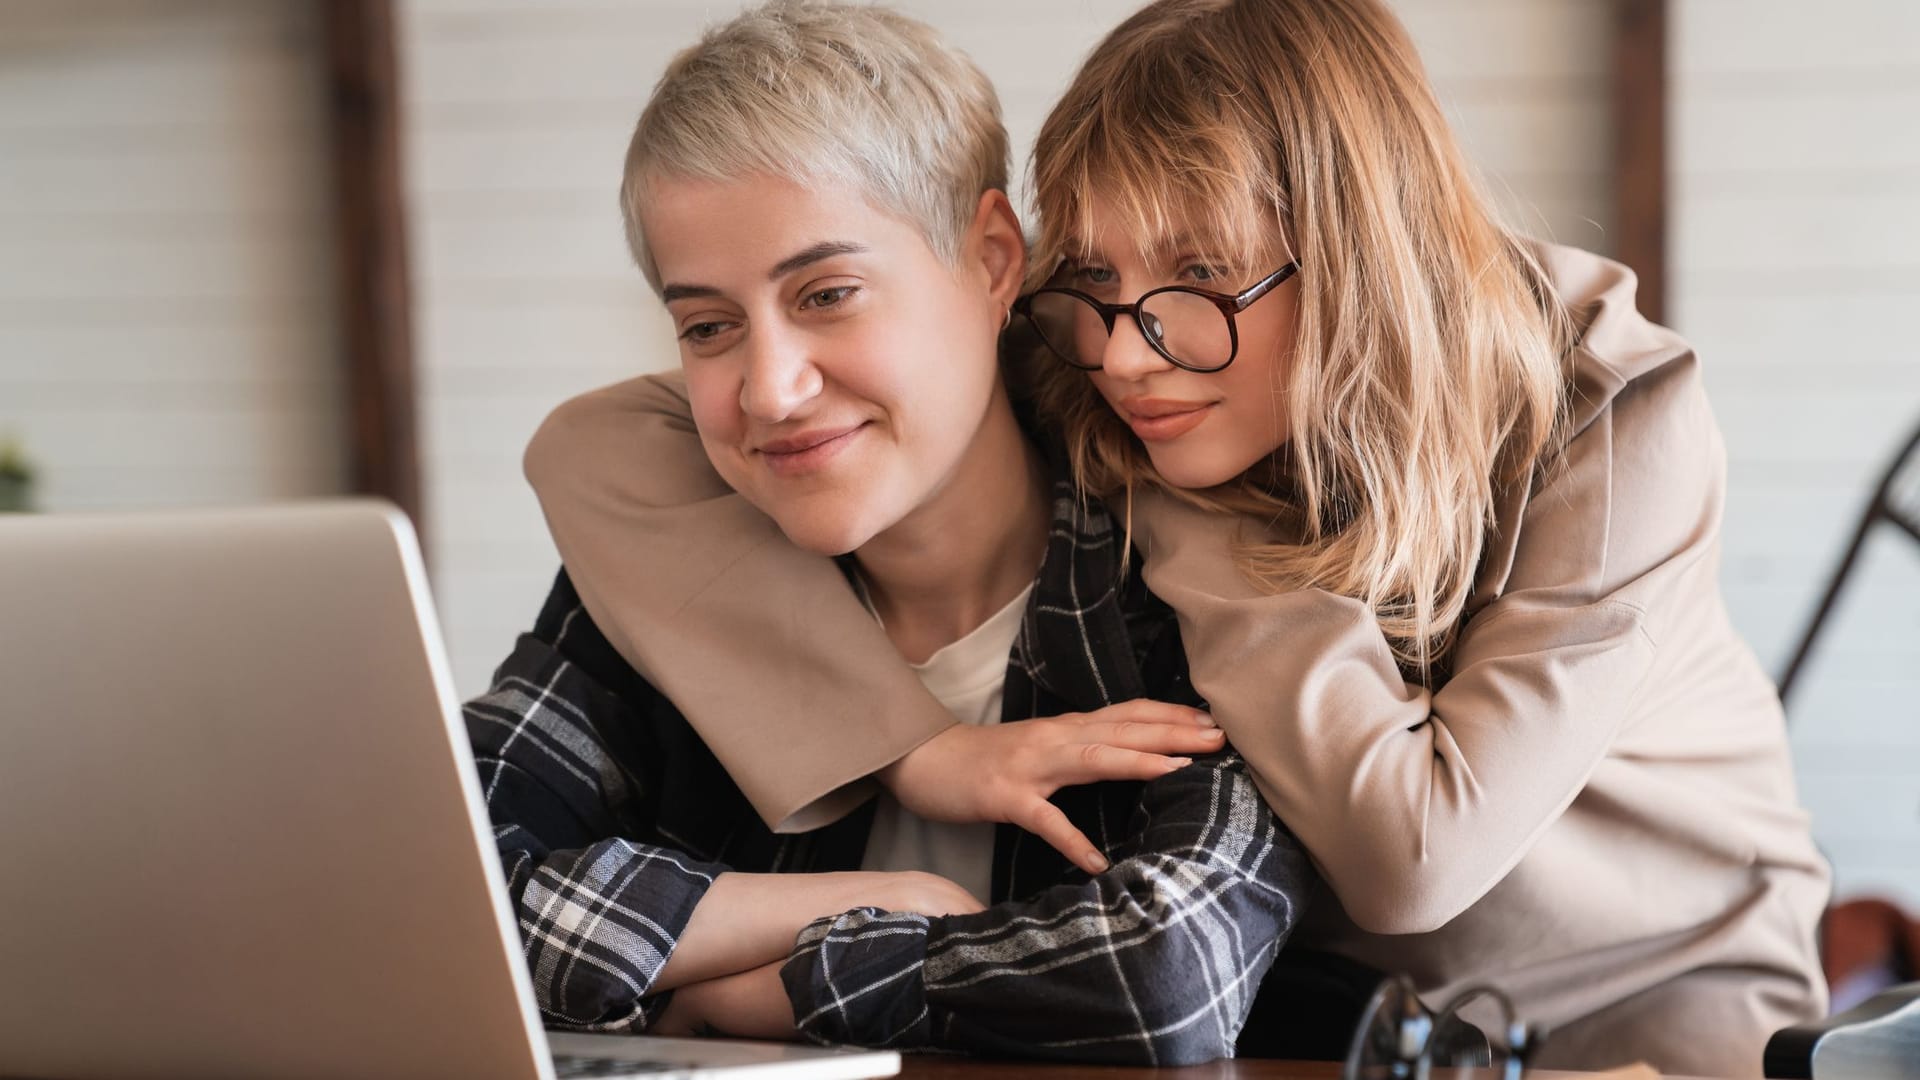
[[1155, 962], [598, 914]]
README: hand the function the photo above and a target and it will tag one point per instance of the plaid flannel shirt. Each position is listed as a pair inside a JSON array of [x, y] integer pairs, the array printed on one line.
[[612, 818]]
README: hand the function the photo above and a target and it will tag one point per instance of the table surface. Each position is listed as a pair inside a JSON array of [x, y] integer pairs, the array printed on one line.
[[937, 1067]]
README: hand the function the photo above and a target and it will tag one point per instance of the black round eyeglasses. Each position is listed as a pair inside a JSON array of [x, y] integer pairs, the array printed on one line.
[[1191, 328]]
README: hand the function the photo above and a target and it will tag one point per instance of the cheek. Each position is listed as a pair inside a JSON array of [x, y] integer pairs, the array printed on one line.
[[915, 376], [878, 357], [1257, 408], [1261, 377], [713, 396], [1267, 339]]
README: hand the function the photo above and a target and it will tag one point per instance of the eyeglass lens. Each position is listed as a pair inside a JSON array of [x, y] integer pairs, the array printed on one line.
[[1190, 328]]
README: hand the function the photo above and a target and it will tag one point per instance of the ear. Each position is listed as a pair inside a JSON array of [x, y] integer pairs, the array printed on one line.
[[997, 249]]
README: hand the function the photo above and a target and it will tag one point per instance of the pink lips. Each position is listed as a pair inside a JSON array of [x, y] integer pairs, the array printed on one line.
[[1161, 419], [809, 451]]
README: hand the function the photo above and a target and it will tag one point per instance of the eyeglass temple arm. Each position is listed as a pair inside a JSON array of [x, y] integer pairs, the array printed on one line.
[[1262, 288]]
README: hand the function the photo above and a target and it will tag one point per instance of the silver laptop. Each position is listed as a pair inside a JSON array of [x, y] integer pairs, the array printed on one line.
[[240, 831]]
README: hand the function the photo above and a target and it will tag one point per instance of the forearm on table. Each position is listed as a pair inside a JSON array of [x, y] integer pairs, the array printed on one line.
[[1155, 961], [747, 1005], [744, 921]]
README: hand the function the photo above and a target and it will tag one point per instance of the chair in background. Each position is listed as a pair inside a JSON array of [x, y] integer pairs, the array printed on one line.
[[1897, 502]]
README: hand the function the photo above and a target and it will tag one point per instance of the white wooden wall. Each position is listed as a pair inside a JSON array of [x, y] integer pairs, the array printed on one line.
[[166, 310], [1527, 83], [1796, 273]]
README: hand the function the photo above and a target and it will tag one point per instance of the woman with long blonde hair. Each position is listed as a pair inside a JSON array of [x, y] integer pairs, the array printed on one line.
[[1438, 510]]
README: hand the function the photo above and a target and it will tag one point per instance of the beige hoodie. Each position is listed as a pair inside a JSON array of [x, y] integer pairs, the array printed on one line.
[[1596, 812]]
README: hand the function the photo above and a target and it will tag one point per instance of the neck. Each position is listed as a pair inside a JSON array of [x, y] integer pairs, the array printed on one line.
[[969, 550]]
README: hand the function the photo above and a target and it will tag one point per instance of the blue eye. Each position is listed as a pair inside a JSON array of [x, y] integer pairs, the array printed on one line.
[[1203, 273], [1094, 275]]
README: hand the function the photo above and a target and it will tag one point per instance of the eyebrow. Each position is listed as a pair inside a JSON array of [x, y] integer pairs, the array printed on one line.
[[825, 249], [807, 256], [670, 293]]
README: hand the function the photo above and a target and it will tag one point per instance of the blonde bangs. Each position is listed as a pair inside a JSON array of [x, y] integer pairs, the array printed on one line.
[[1171, 161]]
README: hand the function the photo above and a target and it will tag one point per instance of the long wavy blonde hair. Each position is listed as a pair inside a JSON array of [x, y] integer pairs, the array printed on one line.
[[1428, 373]]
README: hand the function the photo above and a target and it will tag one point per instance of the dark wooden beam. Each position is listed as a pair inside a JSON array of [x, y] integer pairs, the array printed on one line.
[[1640, 147], [375, 309]]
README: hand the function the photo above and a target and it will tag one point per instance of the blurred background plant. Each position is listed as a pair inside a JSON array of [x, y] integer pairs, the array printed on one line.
[[16, 477]]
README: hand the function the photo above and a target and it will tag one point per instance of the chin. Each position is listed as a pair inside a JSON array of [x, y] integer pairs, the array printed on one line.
[[1192, 471], [825, 530]]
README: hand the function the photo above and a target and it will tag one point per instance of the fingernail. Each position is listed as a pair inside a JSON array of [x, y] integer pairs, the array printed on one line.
[[1215, 733], [1205, 719], [1179, 763], [1096, 862]]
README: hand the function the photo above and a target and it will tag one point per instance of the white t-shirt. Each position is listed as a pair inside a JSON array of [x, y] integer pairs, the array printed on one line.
[[967, 677]]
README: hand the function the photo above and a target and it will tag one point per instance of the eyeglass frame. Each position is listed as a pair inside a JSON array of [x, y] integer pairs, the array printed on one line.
[[1522, 1039], [1229, 307]]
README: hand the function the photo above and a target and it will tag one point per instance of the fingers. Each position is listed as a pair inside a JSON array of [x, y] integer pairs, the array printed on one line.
[[1154, 727], [1102, 761], [1134, 740], [1153, 738], [1148, 711], [1045, 820]]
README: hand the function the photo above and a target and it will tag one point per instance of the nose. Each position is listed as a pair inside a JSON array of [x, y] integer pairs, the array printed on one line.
[[780, 374], [1128, 355]]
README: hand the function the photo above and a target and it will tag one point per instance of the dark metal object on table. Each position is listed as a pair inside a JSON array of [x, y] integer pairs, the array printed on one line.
[[1399, 1038], [1896, 501], [1879, 1037]]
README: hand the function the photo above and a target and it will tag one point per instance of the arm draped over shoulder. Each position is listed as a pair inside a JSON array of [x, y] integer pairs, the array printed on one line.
[[1413, 803]]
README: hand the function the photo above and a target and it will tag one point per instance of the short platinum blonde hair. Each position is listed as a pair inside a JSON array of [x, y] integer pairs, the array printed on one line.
[[825, 93]]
